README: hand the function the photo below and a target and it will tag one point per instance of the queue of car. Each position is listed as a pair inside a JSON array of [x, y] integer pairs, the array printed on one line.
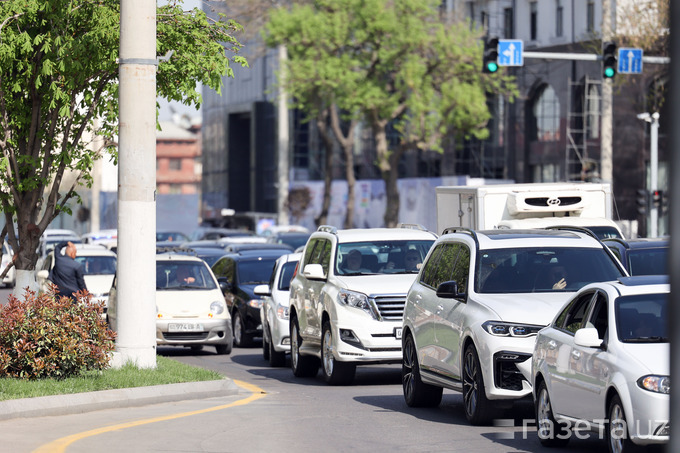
[[499, 316]]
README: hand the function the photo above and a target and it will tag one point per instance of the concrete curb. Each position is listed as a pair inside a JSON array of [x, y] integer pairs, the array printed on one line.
[[77, 403]]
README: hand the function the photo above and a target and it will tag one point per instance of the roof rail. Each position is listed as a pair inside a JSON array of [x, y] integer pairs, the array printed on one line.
[[413, 226], [579, 229], [176, 249], [469, 231], [327, 229]]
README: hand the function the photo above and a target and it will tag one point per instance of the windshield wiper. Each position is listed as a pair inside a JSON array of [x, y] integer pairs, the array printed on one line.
[[647, 340]]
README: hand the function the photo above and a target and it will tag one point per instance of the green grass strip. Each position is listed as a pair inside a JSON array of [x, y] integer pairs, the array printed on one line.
[[167, 371]]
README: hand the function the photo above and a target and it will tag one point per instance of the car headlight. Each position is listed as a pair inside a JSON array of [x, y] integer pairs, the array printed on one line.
[[356, 300], [255, 303], [217, 307], [658, 384], [281, 311], [511, 329]]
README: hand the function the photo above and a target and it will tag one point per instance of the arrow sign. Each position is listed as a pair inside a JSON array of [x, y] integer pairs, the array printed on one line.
[[510, 52], [629, 61]]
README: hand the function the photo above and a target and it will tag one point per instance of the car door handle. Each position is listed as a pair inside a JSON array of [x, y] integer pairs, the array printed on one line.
[[418, 298], [552, 344], [576, 355]]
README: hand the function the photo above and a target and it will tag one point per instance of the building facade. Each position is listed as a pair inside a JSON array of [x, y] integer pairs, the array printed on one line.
[[552, 132]]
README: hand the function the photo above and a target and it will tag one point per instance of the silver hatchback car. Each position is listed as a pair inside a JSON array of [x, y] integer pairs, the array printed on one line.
[[604, 364]]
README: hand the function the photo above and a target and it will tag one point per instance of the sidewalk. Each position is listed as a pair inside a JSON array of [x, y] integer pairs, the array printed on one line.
[[77, 403]]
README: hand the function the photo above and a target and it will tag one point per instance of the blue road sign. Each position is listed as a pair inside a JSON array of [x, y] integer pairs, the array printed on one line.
[[629, 61], [510, 52]]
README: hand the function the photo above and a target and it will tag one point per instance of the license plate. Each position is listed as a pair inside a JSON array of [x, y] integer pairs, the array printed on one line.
[[397, 333], [185, 327]]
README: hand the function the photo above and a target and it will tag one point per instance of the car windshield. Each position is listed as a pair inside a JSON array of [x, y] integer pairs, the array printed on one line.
[[171, 236], [98, 265], [530, 270], [642, 318], [182, 275], [287, 271], [255, 272], [647, 261], [381, 257]]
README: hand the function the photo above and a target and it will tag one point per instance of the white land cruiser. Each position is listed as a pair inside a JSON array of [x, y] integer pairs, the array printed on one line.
[[471, 317], [347, 298]]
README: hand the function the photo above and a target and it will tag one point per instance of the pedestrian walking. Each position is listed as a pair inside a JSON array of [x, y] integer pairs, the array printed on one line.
[[67, 273]]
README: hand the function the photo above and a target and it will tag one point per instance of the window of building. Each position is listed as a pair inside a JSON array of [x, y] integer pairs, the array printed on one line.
[[175, 164], [533, 20], [590, 17], [484, 19], [559, 13], [508, 23], [546, 111]]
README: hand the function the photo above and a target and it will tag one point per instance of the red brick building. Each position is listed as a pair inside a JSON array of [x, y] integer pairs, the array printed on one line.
[[178, 158]]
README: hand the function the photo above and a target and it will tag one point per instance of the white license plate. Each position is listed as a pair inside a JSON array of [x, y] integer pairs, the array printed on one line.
[[397, 333], [185, 327]]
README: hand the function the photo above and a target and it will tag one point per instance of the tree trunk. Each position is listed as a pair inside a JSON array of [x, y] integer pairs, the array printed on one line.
[[322, 125], [391, 178], [347, 143]]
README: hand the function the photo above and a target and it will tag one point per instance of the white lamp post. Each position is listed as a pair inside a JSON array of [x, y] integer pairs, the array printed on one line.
[[653, 169]]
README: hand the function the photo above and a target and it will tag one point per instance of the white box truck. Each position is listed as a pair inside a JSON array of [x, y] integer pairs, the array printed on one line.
[[520, 206]]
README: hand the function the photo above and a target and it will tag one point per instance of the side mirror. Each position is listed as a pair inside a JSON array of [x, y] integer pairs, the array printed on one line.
[[587, 338], [43, 274], [262, 290], [449, 290], [314, 272], [224, 284]]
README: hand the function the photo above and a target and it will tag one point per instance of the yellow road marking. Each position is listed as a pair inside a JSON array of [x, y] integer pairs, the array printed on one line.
[[59, 445]]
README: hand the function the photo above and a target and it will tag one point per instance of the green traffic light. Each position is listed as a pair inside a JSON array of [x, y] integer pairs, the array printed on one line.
[[492, 66], [609, 72]]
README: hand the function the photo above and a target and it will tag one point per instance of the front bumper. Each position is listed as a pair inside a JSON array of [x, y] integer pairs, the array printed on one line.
[[213, 331], [506, 365], [370, 341]]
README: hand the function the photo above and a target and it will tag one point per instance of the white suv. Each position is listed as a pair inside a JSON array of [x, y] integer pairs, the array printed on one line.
[[471, 317], [347, 298]]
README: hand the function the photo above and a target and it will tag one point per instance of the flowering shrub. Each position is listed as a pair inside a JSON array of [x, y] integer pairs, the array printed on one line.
[[45, 336]]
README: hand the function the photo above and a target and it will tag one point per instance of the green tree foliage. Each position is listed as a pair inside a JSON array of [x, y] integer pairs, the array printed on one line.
[[388, 63], [59, 89]]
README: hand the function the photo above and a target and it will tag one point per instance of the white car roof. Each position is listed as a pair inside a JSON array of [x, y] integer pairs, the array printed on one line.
[[177, 257], [382, 234], [93, 250], [498, 239]]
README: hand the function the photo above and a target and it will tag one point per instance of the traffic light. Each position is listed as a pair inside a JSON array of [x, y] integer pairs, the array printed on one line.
[[642, 201], [490, 55], [609, 60], [664, 202], [656, 198]]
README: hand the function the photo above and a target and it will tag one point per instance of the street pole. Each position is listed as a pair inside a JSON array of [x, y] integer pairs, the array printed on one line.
[[606, 158], [136, 270], [654, 174], [283, 141]]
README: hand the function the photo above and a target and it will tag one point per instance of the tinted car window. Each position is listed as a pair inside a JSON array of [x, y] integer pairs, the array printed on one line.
[[253, 272], [571, 318], [647, 261], [642, 318], [529, 270], [97, 265]]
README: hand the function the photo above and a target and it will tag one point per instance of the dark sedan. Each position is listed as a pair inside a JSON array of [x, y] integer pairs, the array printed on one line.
[[641, 256], [238, 274]]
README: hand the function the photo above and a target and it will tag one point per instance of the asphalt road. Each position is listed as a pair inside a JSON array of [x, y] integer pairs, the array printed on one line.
[[275, 411]]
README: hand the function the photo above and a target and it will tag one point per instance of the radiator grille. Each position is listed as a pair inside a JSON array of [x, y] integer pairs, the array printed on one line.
[[391, 308]]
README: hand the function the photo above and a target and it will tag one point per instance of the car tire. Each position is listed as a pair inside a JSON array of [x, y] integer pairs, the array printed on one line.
[[302, 365], [550, 432], [616, 429], [223, 349], [334, 371], [276, 358], [416, 392], [477, 407], [241, 338]]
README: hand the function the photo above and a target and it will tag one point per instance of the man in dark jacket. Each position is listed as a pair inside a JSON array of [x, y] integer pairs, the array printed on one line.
[[67, 273]]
